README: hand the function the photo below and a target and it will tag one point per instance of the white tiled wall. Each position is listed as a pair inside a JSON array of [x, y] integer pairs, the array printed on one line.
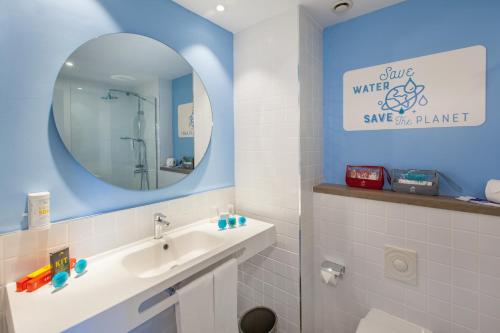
[[267, 161], [311, 149], [24, 251], [458, 265]]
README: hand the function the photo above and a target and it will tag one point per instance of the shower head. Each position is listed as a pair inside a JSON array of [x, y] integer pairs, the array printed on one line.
[[109, 97]]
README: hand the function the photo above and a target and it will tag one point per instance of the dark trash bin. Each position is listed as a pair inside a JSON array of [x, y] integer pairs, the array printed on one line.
[[258, 320]]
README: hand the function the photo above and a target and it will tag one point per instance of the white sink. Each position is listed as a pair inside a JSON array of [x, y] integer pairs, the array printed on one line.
[[156, 257], [119, 281]]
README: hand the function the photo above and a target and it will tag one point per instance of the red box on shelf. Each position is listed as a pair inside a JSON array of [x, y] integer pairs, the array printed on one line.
[[365, 176]]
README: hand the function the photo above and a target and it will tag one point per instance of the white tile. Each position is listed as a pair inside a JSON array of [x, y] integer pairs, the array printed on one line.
[[440, 236], [104, 224], [489, 245], [358, 220], [358, 235], [439, 254], [374, 255], [489, 225], [358, 250], [490, 306], [15, 268], [466, 317], [489, 324], [416, 214], [465, 298], [395, 211], [439, 290], [490, 285], [396, 241], [439, 218], [80, 229], [465, 240], [438, 272], [396, 227], [416, 231], [145, 225], [415, 316], [375, 239], [465, 221], [466, 260], [437, 324], [104, 242], [21, 243], [465, 279], [356, 205], [375, 223], [82, 249], [420, 247], [415, 300], [125, 219], [57, 235], [439, 308], [489, 265], [455, 328], [376, 208]]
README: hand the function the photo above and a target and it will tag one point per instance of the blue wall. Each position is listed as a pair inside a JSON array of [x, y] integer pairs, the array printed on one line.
[[469, 155], [36, 38], [182, 92]]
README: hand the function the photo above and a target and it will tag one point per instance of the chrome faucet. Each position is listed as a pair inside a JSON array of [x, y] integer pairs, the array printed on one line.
[[160, 222]]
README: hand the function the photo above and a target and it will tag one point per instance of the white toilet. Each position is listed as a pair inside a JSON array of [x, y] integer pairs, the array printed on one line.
[[377, 321]]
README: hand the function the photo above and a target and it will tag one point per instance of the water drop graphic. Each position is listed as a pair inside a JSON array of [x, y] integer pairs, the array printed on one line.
[[402, 111], [410, 86], [423, 101]]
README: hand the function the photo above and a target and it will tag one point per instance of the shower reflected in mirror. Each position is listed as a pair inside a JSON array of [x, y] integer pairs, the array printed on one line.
[[132, 111]]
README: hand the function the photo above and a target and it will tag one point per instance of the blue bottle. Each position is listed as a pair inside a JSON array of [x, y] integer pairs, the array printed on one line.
[[222, 223], [80, 266], [59, 280], [242, 220]]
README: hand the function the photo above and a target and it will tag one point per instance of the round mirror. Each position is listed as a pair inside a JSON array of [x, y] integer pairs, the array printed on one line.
[[132, 111]]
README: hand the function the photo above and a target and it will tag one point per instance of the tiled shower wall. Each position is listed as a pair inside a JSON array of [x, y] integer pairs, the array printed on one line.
[[311, 150], [24, 251], [458, 265], [267, 161]]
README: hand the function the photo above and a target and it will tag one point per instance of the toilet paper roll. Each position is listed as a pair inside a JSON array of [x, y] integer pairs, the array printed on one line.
[[329, 277], [492, 191]]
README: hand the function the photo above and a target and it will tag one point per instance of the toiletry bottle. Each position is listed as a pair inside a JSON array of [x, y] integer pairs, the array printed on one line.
[[39, 210]]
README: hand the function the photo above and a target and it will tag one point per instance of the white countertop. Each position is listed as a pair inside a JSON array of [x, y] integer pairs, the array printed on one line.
[[107, 283]]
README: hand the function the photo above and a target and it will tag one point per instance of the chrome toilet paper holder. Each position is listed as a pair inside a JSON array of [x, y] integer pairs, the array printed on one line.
[[331, 271]]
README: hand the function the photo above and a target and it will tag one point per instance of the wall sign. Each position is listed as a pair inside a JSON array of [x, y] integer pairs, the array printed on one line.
[[185, 119], [440, 90]]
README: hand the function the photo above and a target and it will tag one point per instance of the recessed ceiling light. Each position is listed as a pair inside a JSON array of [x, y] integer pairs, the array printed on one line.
[[341, 6], [79, 88], [69, 64], [220, 8]]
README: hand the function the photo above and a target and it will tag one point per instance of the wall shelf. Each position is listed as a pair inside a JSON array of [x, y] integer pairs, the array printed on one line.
[[440, 202], [178, 170]]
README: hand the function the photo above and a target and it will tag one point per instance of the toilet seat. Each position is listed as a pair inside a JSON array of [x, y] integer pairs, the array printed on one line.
[[377, 321]]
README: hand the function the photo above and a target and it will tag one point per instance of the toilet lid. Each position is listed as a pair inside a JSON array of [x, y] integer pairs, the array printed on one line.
[[377, 321]]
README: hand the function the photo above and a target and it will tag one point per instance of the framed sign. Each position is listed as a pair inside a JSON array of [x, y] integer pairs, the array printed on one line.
[[445, 89], [185, 119]]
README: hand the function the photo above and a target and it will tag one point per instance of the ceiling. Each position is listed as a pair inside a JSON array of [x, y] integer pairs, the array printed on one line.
[[141, 58], [241, 14]]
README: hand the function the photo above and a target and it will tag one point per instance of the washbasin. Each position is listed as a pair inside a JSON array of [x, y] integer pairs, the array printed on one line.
[[158, 256]]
